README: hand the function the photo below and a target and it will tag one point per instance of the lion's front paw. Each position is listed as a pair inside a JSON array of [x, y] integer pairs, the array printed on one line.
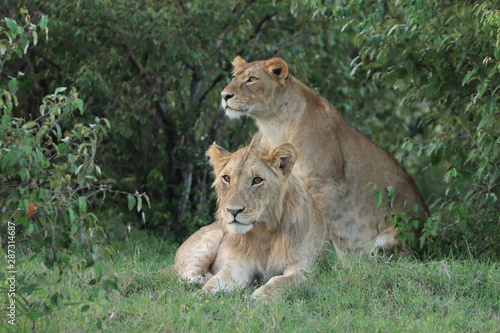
[[211, 286], [200, 279], [264, 294]]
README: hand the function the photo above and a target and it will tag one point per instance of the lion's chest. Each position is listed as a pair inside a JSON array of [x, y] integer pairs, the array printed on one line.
[[265, 256], [271, 259]]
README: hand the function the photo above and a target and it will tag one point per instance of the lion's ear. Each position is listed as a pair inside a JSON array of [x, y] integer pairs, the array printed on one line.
[[277, 68], [238, 62], [283, 157], [218, 157]]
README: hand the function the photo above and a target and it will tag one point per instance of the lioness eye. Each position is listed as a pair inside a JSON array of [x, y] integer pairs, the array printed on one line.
[[252, 79], [257, 180], [226, 178]]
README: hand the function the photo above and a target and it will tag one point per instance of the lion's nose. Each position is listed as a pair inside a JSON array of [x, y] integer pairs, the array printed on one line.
[[236, 211], [226, 96]]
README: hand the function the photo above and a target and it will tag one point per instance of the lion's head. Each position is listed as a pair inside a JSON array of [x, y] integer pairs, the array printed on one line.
[[251, 183], [253, 86]]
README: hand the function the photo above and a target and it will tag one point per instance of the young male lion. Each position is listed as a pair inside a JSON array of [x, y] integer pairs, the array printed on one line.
[[267, 225], [335, 162]]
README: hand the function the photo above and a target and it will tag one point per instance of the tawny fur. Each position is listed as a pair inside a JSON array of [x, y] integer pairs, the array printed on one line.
[[268, 226], [335, 162], [195, 256]]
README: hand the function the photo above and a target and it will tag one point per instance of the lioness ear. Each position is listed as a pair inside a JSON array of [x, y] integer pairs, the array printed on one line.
[[256, 140], [238, 62], [278, 68], [283, 157], [218, 157]]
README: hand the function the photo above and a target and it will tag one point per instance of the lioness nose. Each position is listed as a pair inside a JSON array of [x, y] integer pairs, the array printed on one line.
[[226, 96], [235, 212]]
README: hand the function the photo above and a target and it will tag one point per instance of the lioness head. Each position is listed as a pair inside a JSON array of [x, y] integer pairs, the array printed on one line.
[[250, 184], [253, 86]]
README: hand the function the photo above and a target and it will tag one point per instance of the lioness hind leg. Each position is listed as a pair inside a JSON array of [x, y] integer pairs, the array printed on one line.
[[195, 256], [386, 241]]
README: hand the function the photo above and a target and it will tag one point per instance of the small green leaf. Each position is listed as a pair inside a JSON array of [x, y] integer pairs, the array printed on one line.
[[481, 88], [30, 124], [58, 132], [376, 40], [35, 37], [147, 200], [65, 259], [460, 188], [30, 229], [13, 85], [370, 186], [43, 22], [467, 77], [85, 308], [60, 90], [12, 25], [82, 204], [24, 43], [434, 203], [472, 155], [25, 174], [392, 191], [72, 215], [415, 224], [6, 120], [3, 48], [450, 175], [489, 105], [131, 202], [378, 198], [79, 103], [77, 171], [139, 204]]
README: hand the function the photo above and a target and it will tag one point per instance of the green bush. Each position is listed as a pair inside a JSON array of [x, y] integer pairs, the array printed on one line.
[[49, 178], [49, 168]]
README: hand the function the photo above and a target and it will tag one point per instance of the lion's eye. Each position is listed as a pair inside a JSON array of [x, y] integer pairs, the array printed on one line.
[[226, 178], [252, 79], [257, 180]]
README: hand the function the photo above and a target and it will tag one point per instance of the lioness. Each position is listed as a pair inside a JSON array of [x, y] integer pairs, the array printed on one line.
[[267, 225], [335, 162]]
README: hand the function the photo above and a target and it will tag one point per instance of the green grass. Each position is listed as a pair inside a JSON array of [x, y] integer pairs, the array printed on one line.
[[348, 295]]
